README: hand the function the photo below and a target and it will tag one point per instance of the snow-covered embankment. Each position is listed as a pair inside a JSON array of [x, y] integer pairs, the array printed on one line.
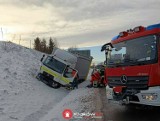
[[24, 98]]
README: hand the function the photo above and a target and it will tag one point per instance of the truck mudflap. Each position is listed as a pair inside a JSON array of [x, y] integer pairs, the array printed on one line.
[[150, 97]]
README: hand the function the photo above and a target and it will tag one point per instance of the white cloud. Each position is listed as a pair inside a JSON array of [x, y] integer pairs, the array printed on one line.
[[75, 22]]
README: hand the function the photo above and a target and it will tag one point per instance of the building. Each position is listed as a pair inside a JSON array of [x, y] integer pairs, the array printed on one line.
[[86, 53]]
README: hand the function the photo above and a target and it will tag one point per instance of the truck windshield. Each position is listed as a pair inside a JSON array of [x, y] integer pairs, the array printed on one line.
[[137, 51], [54, 64]]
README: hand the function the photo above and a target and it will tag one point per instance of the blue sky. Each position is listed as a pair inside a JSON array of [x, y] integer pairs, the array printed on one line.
[[96, 53]]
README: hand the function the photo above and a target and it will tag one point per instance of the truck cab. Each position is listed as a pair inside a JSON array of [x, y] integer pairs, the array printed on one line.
[[56, 71], [63, 68], [133, 66]]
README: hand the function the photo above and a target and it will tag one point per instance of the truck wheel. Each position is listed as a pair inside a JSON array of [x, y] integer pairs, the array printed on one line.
[[38, 77], [55, 85]]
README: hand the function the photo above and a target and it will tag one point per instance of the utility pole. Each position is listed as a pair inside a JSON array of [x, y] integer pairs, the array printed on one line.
[[2, 32], [19, 39], [30, 43], [2, 38], [13, 37]]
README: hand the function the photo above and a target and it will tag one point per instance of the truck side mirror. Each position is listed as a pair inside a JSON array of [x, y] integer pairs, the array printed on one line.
[[42, 57], [106, 47]]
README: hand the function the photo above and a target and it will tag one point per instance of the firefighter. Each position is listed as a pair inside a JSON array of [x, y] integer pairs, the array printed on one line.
[[97, 77]]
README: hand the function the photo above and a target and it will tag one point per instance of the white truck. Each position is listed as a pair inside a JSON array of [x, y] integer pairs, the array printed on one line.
[[63, 68]]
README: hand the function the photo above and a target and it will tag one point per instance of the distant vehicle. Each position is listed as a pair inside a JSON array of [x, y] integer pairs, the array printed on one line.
[[62, 68], [133, 66]]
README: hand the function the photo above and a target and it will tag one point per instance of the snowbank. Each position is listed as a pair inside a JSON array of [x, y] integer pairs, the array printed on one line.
[[82, 100], [22, 96]]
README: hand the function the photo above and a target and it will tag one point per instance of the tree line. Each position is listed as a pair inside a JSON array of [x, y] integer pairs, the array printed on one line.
[[42, 46]]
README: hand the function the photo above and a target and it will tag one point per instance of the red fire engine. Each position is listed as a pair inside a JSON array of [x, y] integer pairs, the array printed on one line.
[[132, 69]]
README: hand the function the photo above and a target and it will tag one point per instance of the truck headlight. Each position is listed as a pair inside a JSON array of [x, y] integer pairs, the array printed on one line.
[[149, 96]]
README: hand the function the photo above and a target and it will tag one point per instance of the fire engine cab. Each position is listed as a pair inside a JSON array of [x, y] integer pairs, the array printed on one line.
[[133, 66]]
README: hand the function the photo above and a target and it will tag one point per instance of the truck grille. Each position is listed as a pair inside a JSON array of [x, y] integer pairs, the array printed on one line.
[[47, 76], [133, 82]]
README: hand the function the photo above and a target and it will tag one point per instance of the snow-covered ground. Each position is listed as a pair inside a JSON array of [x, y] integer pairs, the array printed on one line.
[[24, 98], [79, 101]]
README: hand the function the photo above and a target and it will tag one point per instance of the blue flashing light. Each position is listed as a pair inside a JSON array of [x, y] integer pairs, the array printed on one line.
[[116, 37], [153, 26]]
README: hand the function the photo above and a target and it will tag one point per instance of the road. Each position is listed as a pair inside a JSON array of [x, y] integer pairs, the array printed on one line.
[[115, 112]]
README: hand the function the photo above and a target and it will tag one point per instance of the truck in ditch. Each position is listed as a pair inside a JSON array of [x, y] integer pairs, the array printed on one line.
[[63, 68], [133, 66]]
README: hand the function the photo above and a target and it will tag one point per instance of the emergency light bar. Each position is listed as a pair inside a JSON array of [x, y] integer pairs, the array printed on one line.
[[136, 30], [139, 29], [123, 34], [153, 26], [130, 31], [115, 37]]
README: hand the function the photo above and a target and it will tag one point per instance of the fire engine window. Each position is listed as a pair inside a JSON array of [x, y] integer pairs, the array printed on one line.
[[135, 51], [118, 54]]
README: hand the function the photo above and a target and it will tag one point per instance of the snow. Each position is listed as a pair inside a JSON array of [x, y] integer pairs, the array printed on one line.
[[79, 101], [24, 98]]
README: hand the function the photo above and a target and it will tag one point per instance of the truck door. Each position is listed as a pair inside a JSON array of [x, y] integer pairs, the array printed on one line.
[[69, 75]]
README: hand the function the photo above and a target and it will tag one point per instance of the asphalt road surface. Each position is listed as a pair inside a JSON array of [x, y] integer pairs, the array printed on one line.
[[115, 112]]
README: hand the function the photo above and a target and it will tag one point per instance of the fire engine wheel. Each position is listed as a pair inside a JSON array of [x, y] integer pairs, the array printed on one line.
[[55, 85]]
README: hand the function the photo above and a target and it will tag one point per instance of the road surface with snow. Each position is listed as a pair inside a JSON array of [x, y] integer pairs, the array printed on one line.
[[115, 112]]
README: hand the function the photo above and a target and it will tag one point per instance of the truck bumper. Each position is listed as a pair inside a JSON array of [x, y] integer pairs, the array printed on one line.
[[145, 97]]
